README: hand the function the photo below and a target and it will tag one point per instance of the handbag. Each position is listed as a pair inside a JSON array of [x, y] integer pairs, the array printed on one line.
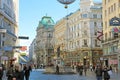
[[110, 72]]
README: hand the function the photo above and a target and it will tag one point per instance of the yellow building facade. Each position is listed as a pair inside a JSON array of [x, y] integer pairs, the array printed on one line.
[[111, 9]]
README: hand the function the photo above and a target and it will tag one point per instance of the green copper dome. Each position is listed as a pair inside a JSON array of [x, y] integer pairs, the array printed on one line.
[[46, 22]]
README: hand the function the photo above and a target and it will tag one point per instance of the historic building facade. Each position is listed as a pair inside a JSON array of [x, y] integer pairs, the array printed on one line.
[[8, 28], [60, 42], [32, 55], [44, 47], [77, 33], [111, 9]]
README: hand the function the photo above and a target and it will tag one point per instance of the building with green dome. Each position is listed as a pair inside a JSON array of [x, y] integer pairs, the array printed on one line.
[[44, 46]]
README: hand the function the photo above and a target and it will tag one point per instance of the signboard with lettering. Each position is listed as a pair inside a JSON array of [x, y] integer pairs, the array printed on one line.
[[115, 21], [2, 30]]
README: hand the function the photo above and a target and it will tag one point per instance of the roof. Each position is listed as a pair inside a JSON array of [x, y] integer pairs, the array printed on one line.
[[46, 22]]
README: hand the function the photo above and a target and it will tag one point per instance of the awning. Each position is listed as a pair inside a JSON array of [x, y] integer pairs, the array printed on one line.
[[4, 58]]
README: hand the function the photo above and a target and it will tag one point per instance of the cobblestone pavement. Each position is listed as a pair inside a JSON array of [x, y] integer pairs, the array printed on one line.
[[37, 75]]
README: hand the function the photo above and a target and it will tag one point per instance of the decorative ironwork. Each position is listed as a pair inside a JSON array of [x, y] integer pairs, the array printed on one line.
[[66, 2]]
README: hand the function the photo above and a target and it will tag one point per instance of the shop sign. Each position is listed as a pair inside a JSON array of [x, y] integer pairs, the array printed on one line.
[[4, 58], [2, 30], [113, 61], [115, 21]]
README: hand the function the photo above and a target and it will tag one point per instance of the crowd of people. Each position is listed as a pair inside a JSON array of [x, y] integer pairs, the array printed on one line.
[[102, 72], [16, 72]]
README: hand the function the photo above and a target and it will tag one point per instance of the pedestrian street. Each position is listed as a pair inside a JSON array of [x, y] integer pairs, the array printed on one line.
[[38, 75]]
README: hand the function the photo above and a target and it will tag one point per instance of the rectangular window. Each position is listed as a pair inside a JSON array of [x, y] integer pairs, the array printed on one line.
[[95, 33], [96, 43], [78, 43], [3, 43], [101, 16], [105, 13], [95, 23], [109, 10], [85, 42], [114, 6], [105, 24], [3, 35], [94, 15], [110, 34], [84, 15]]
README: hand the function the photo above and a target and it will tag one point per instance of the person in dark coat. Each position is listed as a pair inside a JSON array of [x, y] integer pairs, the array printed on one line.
[[99, 72], [27, 73], [85, 69], [80, 69], [106, 75], [19, 74], [9, 73], [57, 69], [1, 73], [30, 68]]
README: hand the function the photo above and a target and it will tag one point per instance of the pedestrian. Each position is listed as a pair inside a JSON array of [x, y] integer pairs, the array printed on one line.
[[80, 69], [19, 74], [111, 68], [98, 72], [85, 69], [30, 68], [57, 69], [91, 67], [1, 73], [27, 73], [9, 73], [106, 75]]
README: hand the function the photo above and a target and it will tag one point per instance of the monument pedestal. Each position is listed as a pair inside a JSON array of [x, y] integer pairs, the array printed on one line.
[[58, 61]]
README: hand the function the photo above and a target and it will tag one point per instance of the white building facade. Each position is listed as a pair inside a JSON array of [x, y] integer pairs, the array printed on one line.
[[77, 35], [8, 27], [32, 55]]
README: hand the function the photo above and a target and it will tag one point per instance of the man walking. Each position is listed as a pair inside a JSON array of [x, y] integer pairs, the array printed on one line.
[[98, 72]]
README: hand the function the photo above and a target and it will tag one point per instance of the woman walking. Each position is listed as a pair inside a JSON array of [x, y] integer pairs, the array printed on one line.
[[106, 75]]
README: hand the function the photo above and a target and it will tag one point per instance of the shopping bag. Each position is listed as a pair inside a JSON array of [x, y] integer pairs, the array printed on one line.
[[110, 72]]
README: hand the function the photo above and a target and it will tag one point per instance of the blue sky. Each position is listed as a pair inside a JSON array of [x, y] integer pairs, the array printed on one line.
[[31, 12]]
